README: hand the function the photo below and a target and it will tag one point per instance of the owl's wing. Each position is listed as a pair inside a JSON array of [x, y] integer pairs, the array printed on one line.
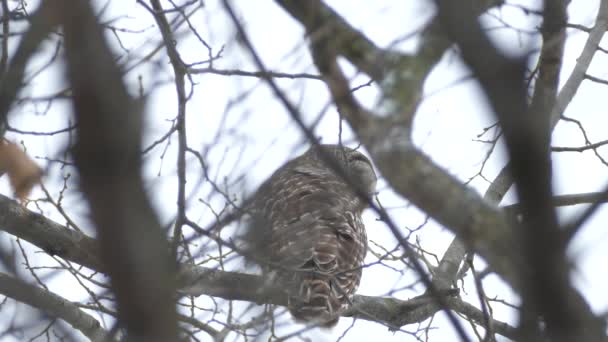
[[321, 240], [323, 252], [292, 244]]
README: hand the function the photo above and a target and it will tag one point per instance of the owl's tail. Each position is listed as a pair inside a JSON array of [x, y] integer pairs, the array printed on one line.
[[318, 301]]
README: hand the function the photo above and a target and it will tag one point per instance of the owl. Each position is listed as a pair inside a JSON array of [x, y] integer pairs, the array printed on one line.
[[307, 231]]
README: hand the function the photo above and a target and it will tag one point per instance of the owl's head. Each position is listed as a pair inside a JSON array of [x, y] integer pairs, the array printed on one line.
[[358, 167]]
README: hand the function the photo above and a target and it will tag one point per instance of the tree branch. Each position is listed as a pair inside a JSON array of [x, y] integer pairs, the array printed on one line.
[[565, 200], [580, 148], [546, 289], [195, 280], [400, 76], [108, 157], [54, 306], [11, 82], [582, 63], [448, 267], [179, 70], [256, 74]]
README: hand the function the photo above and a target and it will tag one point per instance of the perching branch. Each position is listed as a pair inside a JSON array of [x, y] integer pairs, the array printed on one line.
[[195, 280]]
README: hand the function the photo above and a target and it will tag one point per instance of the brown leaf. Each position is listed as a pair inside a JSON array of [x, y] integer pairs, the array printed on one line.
[[23, 173]]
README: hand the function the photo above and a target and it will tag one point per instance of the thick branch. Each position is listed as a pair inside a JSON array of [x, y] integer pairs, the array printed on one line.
[[400, 76], [543, 99], [54, 306], [322, 22], [108, 156]]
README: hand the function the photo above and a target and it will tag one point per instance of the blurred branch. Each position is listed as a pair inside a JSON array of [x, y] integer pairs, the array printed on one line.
[[400, 76], [545, 288], [573, 227], [321, 22], [108, 156], [503, 181], [5, 37], [582, 63], [564, 200], [545, 89], [54, 306], [11, 82], [257, 74], [195, 280], [448, 268]]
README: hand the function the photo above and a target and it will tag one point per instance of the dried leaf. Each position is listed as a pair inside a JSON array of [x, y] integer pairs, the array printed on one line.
[[23, 173]]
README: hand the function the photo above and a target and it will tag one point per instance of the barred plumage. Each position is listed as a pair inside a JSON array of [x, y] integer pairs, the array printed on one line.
[[307, 224]]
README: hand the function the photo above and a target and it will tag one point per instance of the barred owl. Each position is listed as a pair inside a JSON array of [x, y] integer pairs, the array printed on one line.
[[307, 226]]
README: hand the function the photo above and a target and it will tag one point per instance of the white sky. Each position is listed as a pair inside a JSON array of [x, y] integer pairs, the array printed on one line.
[[446, 124]]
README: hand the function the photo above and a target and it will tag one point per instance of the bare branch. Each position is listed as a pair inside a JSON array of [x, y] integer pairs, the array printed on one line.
[[448, 267], [257, 74], [582, 63], [565, 200], [179, 69], [580, 148], [54, 306], [546, 290], [573, 227]]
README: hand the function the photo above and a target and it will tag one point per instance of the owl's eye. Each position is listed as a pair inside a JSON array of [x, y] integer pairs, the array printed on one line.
[[304, 193], [344, 236], [358, 157]]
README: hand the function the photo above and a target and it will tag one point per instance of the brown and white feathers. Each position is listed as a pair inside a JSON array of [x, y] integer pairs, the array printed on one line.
[[307, 229]]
